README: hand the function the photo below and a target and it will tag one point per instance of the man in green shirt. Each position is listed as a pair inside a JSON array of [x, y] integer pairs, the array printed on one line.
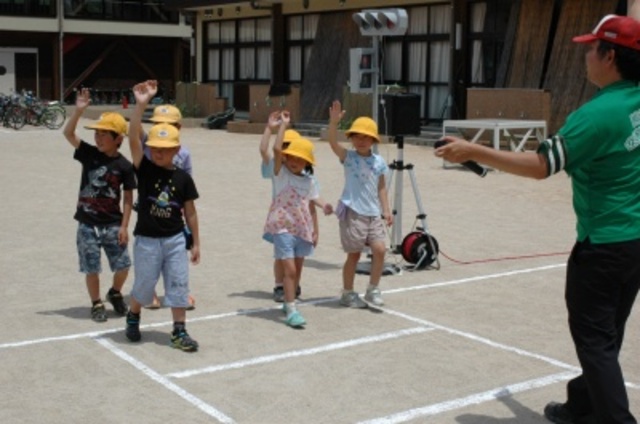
[[599, 148]]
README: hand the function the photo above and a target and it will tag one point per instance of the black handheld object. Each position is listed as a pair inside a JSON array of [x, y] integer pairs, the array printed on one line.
[[470, 164]]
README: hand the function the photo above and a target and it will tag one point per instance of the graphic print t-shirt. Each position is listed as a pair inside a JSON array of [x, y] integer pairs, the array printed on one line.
[[100, 185], [161, 197]]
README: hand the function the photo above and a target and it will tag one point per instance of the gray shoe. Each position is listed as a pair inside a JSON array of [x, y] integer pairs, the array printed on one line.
[[374, 297], [278, 294], [352, 300]]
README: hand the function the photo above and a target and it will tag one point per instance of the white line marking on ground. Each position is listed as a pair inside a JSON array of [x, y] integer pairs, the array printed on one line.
[[166, 383], [482, 340], [477, 278], [474, 399], [259, 310], [296, 353]]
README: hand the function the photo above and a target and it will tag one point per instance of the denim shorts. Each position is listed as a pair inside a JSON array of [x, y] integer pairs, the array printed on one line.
[[288, 246], [89, 240], [167, 256]]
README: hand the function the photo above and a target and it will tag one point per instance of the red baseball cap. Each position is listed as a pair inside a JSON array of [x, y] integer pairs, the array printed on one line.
[[621, 30]]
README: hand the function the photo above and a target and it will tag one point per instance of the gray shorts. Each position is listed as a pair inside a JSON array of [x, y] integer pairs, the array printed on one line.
[[358, 231], [89, 240], [167, 256]]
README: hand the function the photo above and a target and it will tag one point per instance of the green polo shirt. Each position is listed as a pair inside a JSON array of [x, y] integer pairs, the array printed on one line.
[[601, 142]]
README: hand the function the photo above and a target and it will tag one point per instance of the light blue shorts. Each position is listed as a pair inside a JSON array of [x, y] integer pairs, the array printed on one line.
[[288, 246], [167, 256], [89, 240]]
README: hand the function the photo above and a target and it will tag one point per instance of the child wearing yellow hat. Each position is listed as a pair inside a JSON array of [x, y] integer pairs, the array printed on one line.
[[169, 114], [363, 202], [167, 197], [107, 180], [289, 223], [266, 168]]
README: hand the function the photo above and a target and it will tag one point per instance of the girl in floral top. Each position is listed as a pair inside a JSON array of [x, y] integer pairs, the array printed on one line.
[[289, 222]]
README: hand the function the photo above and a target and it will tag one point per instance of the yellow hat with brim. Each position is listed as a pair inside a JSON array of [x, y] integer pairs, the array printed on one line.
[[365, 126], [163, 136], [110, 121], [301, 148], [166, 113], [290, 135]]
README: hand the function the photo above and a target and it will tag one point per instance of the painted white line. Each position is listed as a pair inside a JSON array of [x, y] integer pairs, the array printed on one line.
[[259, 310], [94, 334], [166, 383], [483, 340], [474, 399], [474, 279], [296, 353]]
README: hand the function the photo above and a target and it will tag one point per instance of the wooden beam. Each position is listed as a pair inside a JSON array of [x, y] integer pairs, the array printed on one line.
[[84, 75], [140, 62]]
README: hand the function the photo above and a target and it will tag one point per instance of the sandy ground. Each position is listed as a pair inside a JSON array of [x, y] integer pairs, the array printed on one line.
[[482, 339]]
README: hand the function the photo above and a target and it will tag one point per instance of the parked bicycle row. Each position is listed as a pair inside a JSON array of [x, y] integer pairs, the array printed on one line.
[[18, 110]]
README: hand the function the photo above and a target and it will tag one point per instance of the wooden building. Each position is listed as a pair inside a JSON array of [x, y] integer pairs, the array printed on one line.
[[52, 47], [449, 47]]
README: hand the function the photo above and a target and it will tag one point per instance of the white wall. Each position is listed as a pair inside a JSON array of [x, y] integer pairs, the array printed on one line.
[[7, 72]]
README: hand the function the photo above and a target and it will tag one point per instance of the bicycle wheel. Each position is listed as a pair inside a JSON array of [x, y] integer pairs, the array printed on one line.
[[53, 117], [16, 117], [34, 115]]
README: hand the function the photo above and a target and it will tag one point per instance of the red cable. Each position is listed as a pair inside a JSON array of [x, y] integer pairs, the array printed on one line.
[[506, 258]]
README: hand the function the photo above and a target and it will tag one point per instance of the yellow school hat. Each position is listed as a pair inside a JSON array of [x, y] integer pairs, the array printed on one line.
[[163, 136], [366, 126], [166, 113], [301, 148], [110, 121]]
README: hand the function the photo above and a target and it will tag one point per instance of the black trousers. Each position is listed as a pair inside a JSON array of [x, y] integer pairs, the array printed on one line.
[[601, 287]]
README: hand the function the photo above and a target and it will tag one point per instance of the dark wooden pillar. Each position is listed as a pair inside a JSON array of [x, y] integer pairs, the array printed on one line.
[[277, 44], [56, 90], [459, 64]]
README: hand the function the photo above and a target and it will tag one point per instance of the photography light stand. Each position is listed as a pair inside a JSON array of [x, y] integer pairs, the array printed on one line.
[[397, 168], [377, 23]]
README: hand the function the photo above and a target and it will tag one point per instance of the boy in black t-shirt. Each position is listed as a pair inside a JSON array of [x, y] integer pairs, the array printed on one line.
[[164, 191], [101, 222]]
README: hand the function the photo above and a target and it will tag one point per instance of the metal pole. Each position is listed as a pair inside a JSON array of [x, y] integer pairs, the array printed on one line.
[[376, 67], [396, 228], [61, 46]]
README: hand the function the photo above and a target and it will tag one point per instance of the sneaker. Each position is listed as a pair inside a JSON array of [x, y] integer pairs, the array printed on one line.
[[183, 341], [278, 294], [98, 312], [374, 297], [117, 301], [352, 300], [133, 328], [558, 413], [295, 319]]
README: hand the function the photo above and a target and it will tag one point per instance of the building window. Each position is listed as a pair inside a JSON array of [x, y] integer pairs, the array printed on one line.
[[301, 31], [420, 60], [238, 52], [488, 25]]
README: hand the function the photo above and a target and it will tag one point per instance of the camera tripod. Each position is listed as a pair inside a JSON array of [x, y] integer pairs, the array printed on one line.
[[418, 247]]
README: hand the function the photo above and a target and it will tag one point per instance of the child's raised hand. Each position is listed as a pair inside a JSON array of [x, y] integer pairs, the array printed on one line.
[[145, 91], [335, 112], [286, 117], [327, 209], [274, 119], [83, 98]]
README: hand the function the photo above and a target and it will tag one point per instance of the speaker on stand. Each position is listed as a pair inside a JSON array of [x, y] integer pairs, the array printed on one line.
[[401, 117]]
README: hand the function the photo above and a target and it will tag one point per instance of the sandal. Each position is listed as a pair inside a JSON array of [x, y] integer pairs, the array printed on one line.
[[192, 304]]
